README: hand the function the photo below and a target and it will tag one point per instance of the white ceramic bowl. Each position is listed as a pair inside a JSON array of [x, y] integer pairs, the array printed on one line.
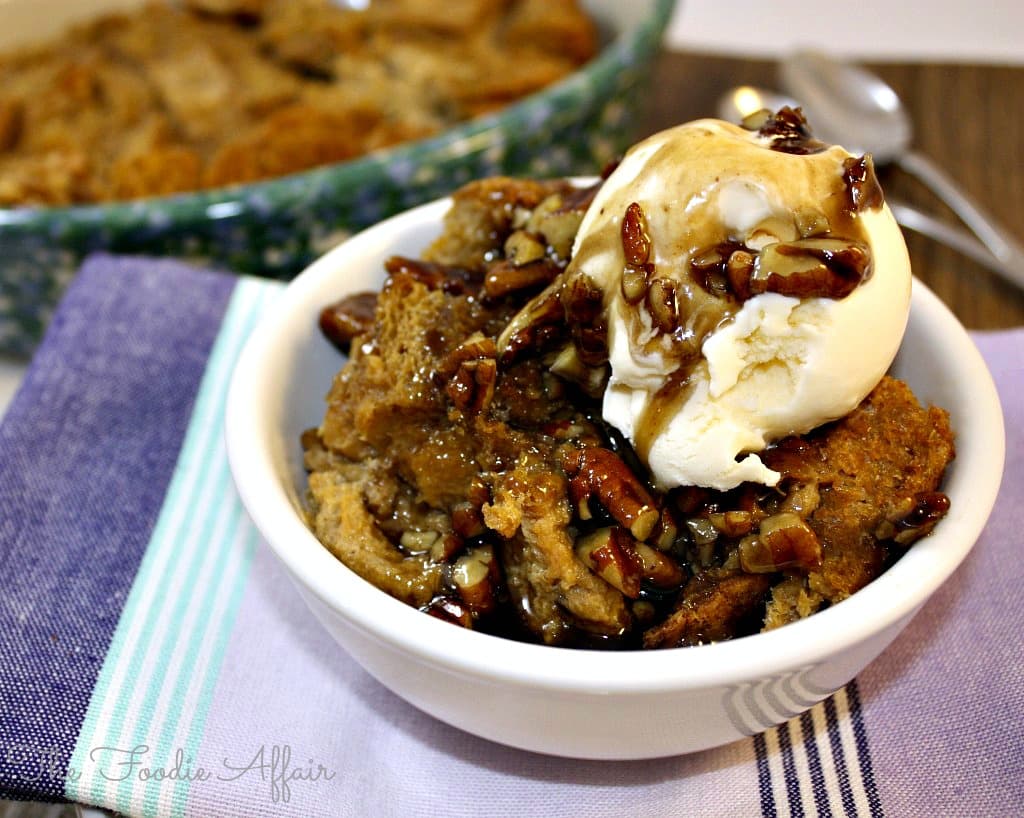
[[587, 704]]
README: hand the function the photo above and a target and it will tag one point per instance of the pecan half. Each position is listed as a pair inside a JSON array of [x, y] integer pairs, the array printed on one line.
[[604, 475], [636, 247], [536, 325], [809, 268], [433, 275], [505, 276], [347, 319]]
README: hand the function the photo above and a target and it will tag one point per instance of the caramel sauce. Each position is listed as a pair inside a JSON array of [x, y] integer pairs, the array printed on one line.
[[661, 408]]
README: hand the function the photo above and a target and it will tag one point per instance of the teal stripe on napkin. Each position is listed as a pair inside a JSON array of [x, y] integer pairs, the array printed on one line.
[[154, 688]]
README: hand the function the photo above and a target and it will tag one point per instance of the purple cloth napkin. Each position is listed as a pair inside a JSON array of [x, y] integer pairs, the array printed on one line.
[[156, 660]]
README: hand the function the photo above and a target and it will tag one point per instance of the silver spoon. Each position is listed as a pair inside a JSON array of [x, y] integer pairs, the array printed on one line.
[[854, 108], [741, 101]]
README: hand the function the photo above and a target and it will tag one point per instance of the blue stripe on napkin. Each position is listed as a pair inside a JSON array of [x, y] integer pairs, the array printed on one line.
[[87, 449], [814, 763], [155, 686], [819, 763]]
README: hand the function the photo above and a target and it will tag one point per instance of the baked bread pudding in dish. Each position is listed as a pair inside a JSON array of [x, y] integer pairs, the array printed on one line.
[[177, 97], [648, 412]]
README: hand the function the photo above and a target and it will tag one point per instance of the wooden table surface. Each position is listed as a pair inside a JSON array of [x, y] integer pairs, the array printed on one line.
[[968, 119]]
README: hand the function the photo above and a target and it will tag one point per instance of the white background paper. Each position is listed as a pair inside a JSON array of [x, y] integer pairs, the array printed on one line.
[[896, 30]]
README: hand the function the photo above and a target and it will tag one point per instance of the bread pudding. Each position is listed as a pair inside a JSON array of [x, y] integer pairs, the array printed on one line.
[[467, 465]]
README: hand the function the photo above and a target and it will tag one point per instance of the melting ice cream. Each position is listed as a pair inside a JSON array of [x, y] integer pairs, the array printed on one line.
[[754, 285]]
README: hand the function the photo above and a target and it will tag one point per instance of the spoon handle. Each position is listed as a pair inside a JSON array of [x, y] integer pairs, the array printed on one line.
[[996, 238], [947, 234]]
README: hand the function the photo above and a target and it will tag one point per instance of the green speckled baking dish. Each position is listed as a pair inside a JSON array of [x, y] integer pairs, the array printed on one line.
[[275, 228]]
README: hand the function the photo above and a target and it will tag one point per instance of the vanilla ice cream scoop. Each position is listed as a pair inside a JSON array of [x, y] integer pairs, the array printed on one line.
[[754, 285]]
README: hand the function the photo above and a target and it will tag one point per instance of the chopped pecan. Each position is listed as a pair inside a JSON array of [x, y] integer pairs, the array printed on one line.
[[739, 269], [862, 186], [610, 553], [558, 220], [469, 373], [634, 284], [636, 243], [811, 222], [619, 559], [783, 541], [467, 520], [569, 365], [659, 569], [447, 546], [914, 517], [476, 347], [450, 610], [702, 530], [601, 473], [756, 120], [471, 388], [733, 523], [583, 302], [708, 267], [523, 247], [802, 498], [661, 304], [476, 576], [666, 530], [417, 542], [789, 132]]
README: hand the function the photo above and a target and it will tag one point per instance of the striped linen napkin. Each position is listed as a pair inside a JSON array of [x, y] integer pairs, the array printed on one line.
[[156, 660]]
